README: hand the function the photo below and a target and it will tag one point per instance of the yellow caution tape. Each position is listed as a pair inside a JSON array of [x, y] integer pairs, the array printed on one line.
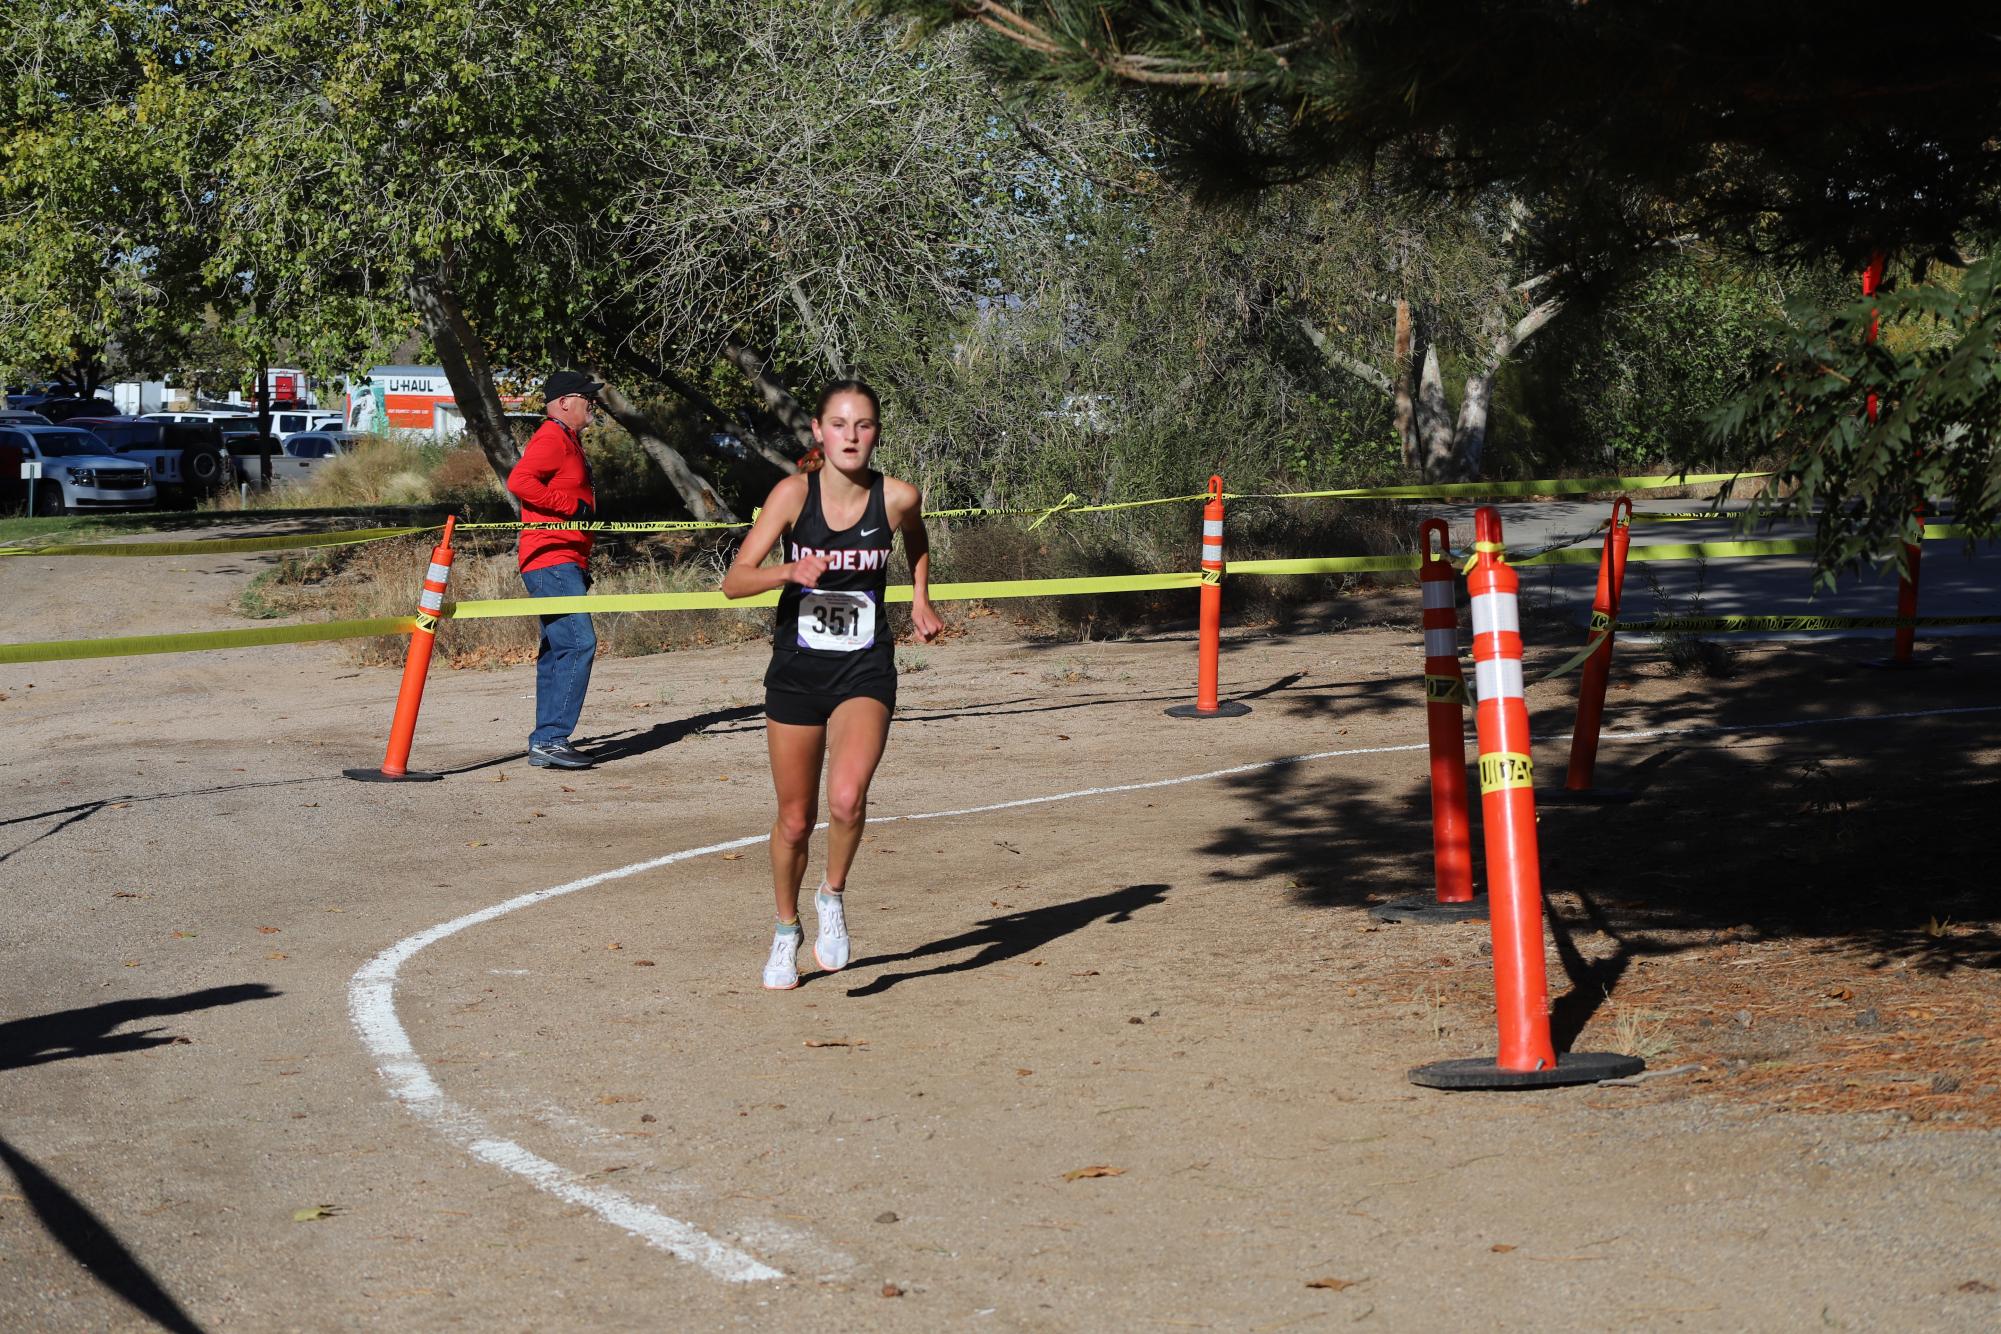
[[1504, 769], [715, 601], [1565, 486], [1796, 624], [1326, 565], [1067, 501], [70, 650], [602, 526], [293, 542]]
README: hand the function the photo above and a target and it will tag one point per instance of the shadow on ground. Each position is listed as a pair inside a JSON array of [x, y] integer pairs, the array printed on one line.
[[92, 1030], [93, 1245], [999, 939], [1786, 801]]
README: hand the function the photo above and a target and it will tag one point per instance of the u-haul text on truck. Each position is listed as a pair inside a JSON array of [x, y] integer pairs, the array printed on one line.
[[413, 399], [404, 398]]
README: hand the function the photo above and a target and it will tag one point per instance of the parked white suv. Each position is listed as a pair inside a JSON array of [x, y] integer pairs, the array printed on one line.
[[66, 470]]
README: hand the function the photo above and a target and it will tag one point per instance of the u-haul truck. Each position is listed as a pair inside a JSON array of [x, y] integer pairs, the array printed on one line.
[[404, 398]]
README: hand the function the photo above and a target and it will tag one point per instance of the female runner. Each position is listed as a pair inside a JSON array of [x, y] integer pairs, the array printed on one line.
[[832, 681]]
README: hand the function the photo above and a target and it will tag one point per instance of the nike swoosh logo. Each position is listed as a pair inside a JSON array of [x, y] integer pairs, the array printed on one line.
[[870, 532]]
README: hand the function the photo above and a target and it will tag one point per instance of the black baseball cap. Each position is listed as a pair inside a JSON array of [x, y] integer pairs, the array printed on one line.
[[561, 384]]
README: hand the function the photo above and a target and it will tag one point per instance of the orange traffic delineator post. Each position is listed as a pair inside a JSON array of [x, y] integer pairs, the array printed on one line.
[[1208, 669], [1445, 722], [1577, 788], [416, 667], [1514, 862]]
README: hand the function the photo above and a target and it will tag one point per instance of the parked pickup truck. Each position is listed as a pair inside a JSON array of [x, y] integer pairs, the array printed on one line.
[[187, 459]]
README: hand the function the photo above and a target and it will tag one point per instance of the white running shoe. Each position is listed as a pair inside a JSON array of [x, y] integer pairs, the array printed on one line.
[[830, 945], [781, 970]]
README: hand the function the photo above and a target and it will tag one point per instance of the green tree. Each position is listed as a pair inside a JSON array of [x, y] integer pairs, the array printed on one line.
[[1767, 131]]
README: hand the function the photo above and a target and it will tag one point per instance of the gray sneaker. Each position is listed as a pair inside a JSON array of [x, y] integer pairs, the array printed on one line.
[[558, 755]]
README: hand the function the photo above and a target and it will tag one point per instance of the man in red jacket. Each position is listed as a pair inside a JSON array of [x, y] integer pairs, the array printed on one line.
[[553, 483]]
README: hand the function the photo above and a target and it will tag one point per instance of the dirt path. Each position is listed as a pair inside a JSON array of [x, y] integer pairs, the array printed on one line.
[[1177, 983]]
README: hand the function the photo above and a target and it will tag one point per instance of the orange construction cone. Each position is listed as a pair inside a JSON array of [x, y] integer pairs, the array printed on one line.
[[416, 667], [1514, 863]]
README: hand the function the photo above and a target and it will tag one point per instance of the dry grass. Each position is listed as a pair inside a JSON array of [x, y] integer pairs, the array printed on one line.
[[377, 471], [1164, 539], [383, 579]]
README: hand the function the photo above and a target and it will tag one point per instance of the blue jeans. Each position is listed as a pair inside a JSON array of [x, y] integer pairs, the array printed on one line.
[[563, 663]]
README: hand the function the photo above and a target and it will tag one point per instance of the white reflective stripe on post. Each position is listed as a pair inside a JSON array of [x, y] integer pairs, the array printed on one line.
[[1498, 678], [1495, 611], [1212, 551], [1441, 643], [438, 574], [1438, 593], [1212, 528], [431, 601]]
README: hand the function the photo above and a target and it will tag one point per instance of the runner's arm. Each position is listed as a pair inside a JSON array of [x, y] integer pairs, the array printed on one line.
[[748, 575], [917, 550]]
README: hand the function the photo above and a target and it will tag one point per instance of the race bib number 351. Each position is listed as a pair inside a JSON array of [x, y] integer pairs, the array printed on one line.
[[841, 622]]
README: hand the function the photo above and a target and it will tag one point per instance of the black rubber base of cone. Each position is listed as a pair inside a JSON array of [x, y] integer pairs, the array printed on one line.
[[1228, 708], [377, 776], [1590, 796], [1915, 664], [1572, 1067], [1417, 911]]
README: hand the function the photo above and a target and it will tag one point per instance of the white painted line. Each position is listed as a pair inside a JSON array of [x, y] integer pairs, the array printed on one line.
[[371, 1000], [371, 1004]]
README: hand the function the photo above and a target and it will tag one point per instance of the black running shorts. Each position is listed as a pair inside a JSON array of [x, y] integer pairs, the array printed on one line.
[[800, 709]]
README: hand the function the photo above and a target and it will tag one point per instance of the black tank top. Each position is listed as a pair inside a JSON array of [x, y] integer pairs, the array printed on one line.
[[840, 623]]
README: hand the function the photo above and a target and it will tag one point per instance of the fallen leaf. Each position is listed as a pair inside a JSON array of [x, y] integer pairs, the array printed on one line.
[[609, 1098], [642, 963], [184, 935], [1500, 1248], [1974, 1285], [276, 955], [123, 894], [268, 930], [1841, 993], [1061, 737], [500, 776], [120, 805], [130, 963], [1024, 1072], [1083, 1173], [569, 789], [314, 1212], [475, 844], [614, 946], [837, 1042], [732, 856], [1332, 1284], [891, 1290]]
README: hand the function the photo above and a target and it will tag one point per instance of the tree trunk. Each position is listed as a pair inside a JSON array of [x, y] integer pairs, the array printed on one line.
[[695, 493], [468, 373], [1469, 436], [263, 424], [1434, 423], [653, 370], [1403, 402], [777, 399]]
